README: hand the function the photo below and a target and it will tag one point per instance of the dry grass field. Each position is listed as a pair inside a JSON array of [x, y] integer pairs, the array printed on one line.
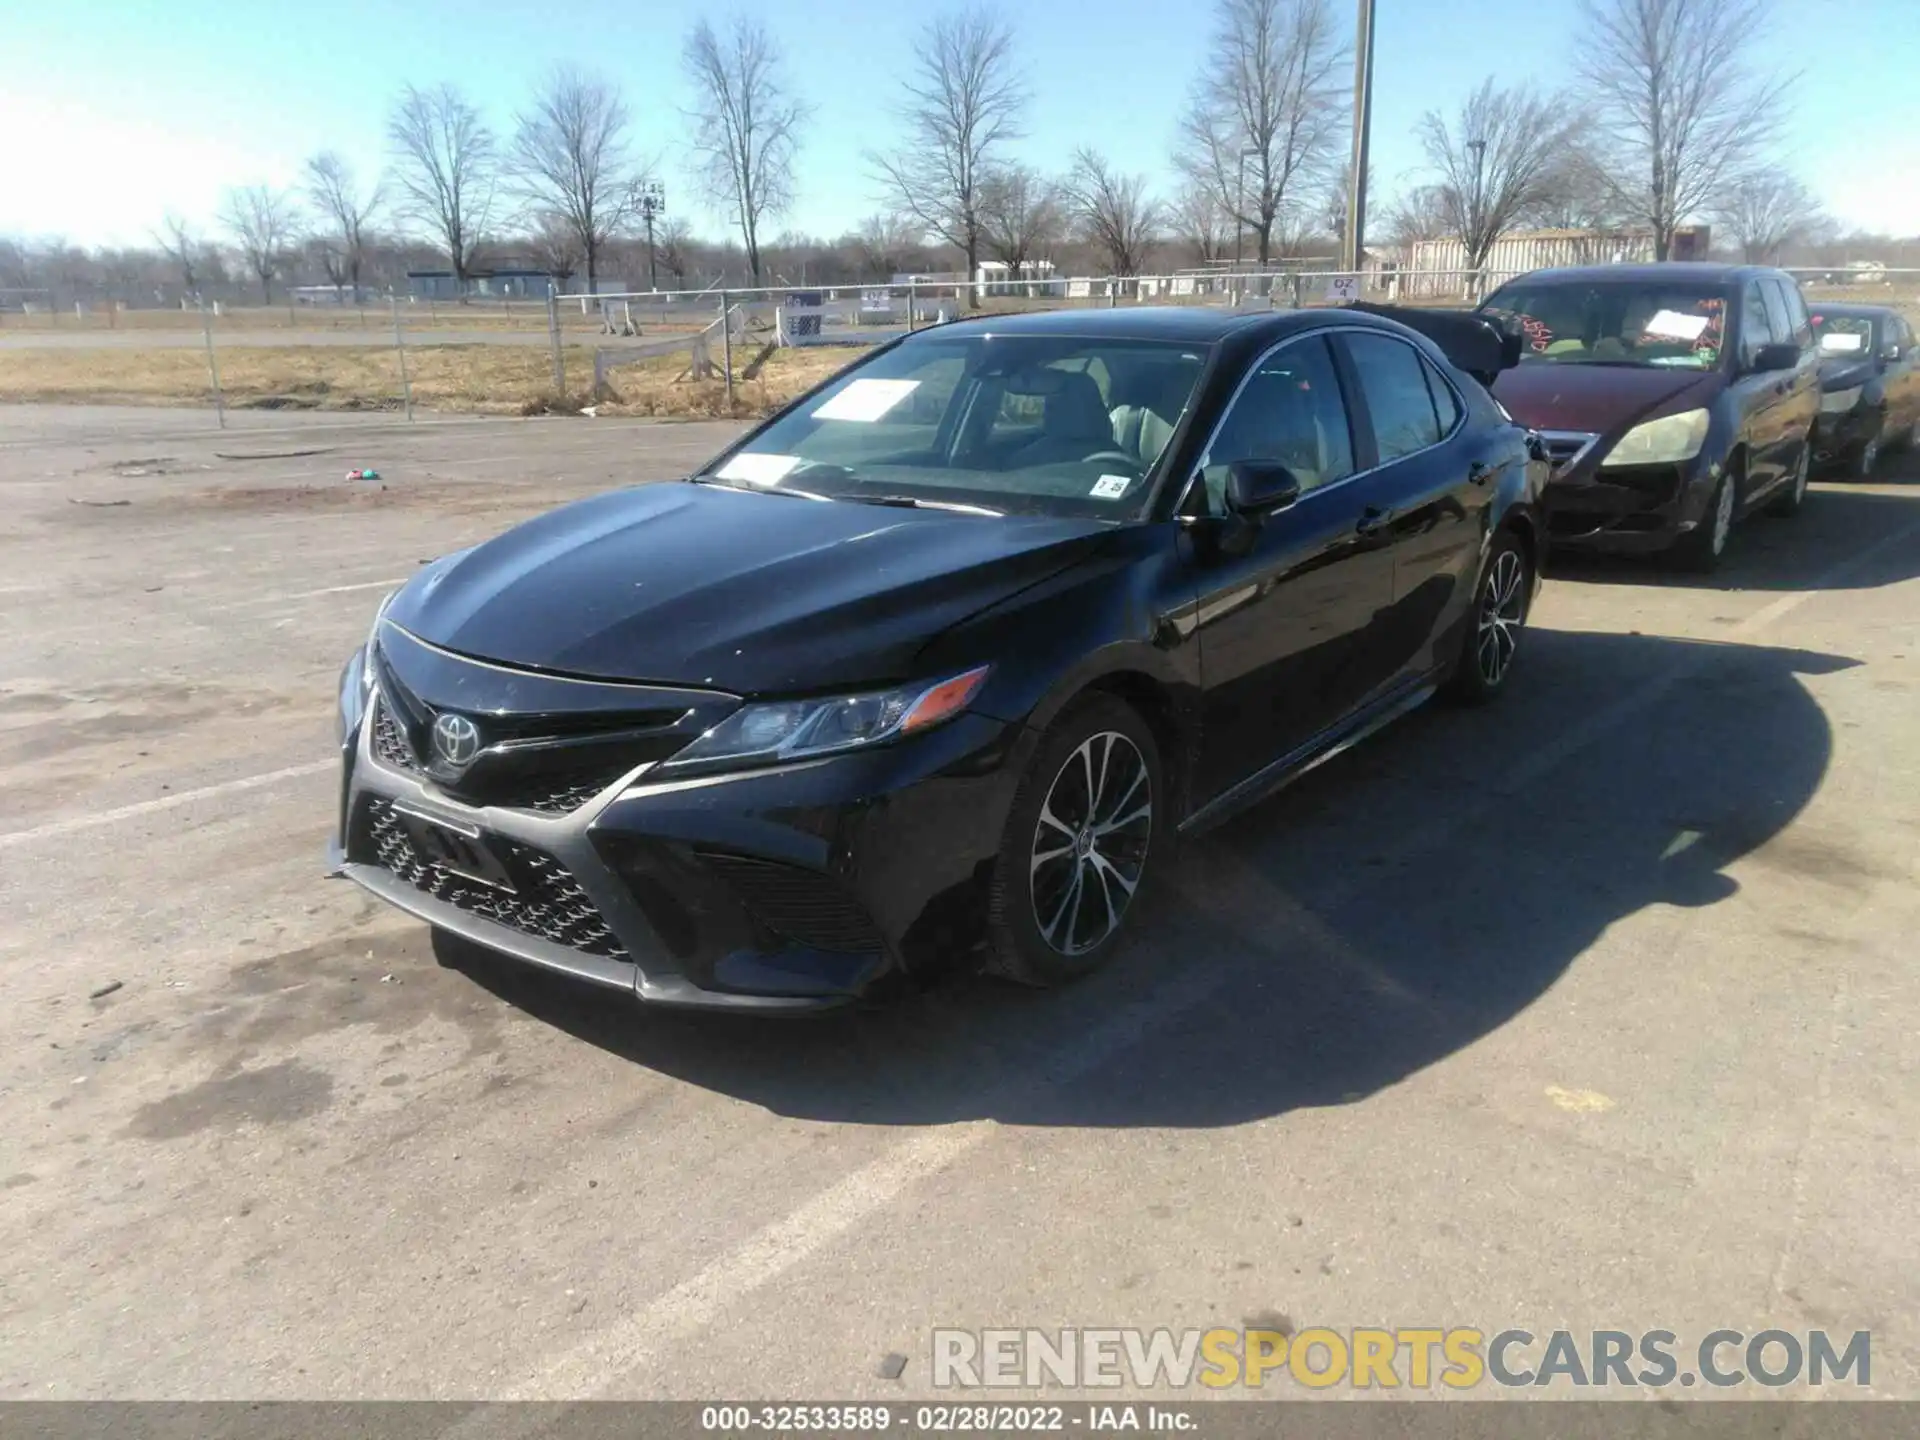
[[481, 379]]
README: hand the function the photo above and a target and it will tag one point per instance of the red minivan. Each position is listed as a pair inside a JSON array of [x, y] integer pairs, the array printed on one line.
[[1673, 400]]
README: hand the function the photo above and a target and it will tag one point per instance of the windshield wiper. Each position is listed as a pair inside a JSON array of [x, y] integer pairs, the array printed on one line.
[[719, 484], [914, 502]]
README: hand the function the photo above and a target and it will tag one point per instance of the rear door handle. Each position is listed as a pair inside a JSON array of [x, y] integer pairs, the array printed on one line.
[[1373, 520]]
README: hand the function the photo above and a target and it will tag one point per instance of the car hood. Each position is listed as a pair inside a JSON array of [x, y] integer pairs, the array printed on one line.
[[753, 594], [1845, 373], [1599, 398]]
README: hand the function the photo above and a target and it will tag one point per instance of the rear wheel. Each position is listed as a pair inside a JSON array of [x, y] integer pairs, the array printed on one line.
[[1080, 836], [1499, 613]]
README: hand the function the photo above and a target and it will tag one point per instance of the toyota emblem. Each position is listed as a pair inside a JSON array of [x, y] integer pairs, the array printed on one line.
[[456, 739]]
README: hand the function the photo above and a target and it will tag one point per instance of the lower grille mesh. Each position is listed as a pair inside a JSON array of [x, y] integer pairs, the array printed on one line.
[[803, 906], [549, 903]]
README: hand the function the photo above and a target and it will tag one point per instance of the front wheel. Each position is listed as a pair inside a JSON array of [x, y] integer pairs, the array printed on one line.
[[1700, 548], [1082, 831], [1499, 614]]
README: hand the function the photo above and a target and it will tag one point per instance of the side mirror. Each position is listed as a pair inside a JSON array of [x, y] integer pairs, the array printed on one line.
[[1891, 352], [1776, 357], [1257, 488]]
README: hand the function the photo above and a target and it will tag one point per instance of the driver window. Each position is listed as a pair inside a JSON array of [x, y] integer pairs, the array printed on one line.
[[1290, 411], [1757, 327]]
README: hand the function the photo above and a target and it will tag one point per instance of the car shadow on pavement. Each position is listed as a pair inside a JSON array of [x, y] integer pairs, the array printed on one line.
[[1828, 545], [1393, 907]]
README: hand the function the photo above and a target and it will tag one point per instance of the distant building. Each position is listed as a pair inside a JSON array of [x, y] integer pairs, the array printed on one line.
[[499, 282], [1035, 278], [1438, 267]]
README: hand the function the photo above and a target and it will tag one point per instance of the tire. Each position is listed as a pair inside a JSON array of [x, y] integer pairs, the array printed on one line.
[[1492, 640], [1701, 548], [1795, 498], [1041, 930], [1864, 458]]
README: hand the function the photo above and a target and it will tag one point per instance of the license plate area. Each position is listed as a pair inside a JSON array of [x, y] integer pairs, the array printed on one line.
[[458, 849]]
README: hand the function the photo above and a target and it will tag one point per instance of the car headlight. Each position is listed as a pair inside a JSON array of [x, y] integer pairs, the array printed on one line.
[[357, 680], [1838, 402], [777, 731], [1660, 442]]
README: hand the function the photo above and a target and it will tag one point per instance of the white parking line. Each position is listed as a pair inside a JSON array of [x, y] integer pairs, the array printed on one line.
[[165, 802]]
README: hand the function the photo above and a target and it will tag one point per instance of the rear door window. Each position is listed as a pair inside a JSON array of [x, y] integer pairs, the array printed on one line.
[[1394, 380]]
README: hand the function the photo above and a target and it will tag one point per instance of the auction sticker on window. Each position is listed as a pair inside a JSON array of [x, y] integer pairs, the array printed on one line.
[[1672, 325], [758, 469], [865, 401], [1842, 340], [1110, 487]]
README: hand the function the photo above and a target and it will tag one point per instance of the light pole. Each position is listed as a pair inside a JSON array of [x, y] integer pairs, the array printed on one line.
[[653, 203], [1356, 236], [1240, 205]]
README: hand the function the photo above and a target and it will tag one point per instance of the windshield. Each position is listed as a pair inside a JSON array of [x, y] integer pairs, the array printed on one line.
[[1049, 424], [1616, 322], [1844, 334]]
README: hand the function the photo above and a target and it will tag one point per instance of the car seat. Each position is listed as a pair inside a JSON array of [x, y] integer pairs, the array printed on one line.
[[1073, 425]]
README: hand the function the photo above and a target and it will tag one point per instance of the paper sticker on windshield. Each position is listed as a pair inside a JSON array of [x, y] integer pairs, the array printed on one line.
[[1672, 325], [865, 401], [1110, 487], [758, 469], [1842, 340]]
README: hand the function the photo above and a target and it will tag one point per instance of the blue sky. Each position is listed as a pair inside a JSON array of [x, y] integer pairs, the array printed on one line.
[[117, 110]]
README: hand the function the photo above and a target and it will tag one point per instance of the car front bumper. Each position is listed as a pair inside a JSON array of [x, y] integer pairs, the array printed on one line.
[[1839, 433], [793, 888], [1629, 510]]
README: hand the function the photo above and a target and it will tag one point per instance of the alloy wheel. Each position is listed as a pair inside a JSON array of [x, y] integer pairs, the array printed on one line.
[[1502, 610], [1723, 501], [1090, 845], [1802, 473], [1869, 458]]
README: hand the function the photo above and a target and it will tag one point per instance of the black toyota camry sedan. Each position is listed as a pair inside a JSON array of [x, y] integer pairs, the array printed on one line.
[[940, 660]]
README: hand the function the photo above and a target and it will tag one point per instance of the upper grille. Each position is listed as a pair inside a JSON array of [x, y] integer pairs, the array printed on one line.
[[1563, 446], [548, 904], [390, 740], [546, 792], [803, 906]]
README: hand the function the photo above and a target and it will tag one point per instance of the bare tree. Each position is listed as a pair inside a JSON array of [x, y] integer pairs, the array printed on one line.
[[572, 164], [1576, 193], [347, 213], [446, 166], [1421, 213], [886, 242], [183, 248], [673, 248], [1200, 222], [555, 247], [1673, 84], [1020, 217], [746, 125], [1264, 123], [260, 219], [1764, 211], [964, 104], [1113, 210], [1493, 159]]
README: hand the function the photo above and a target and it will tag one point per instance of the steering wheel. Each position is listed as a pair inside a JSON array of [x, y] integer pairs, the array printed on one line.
[[1132, 462]]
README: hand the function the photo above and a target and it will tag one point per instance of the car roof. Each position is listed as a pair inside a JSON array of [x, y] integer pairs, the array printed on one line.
[[1703, 272], [1856, 312], [1195, 323]]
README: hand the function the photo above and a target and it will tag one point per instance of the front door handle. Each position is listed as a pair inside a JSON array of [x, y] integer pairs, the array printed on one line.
[[1373, 520], [1479, 473]]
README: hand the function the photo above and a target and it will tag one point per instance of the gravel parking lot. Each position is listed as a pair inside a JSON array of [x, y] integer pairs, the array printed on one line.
[[1595, 1009]]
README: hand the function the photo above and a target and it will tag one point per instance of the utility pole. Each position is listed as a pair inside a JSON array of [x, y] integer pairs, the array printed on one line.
[[1355, 249], [653, 203]]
